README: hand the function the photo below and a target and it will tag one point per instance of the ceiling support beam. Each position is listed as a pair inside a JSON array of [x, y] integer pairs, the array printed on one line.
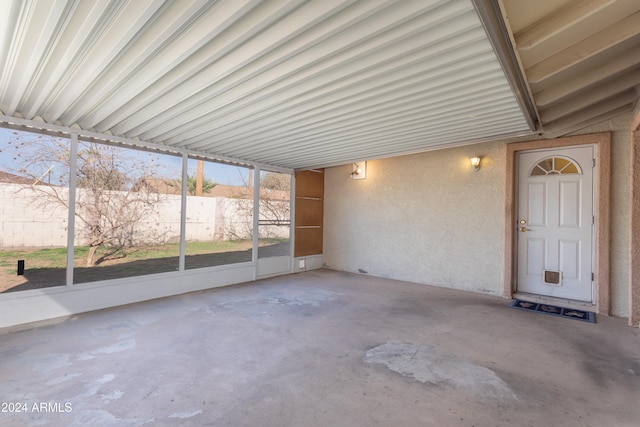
[[627, 59], [606, 109], [635, 123], [558, 21], [591, 97], [587, 48], [581, 125], [493, 23]]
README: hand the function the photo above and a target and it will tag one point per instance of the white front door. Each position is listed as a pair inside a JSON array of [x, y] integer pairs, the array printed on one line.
[[555, 223]]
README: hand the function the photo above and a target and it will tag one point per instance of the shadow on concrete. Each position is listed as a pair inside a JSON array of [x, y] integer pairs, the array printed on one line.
[[52, 277]]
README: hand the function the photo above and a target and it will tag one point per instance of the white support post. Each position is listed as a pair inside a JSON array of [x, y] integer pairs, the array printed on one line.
[[256, 217], [71, 219], [292, 220], [183, 212]]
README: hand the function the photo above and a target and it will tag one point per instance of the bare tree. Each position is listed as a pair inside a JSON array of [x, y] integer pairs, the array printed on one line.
[[275, 212], [110, 201], [274, 208]]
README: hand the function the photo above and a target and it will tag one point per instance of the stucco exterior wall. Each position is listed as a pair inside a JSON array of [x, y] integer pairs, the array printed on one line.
[[425, 218], [620, 209], [428, 218]]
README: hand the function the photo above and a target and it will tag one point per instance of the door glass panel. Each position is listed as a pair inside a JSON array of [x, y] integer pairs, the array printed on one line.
[[546, 165], [275, 217], [555, 166], [537, 170], [571, 168], [560, 163]]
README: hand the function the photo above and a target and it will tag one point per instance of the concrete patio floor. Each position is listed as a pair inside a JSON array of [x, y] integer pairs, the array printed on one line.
[[322, 348]]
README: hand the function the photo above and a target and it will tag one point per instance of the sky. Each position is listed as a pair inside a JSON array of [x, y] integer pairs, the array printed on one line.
[[216, 172]]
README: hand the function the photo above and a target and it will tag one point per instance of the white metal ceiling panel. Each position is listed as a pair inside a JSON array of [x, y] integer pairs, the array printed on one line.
[[291, 83]]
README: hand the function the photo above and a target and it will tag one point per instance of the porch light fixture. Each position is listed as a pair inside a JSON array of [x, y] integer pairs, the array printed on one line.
[[475, 163], [359, 170]]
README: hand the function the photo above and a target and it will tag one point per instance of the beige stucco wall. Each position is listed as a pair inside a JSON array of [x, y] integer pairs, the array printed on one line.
[[425, 218], [428, 218], [620, 209]]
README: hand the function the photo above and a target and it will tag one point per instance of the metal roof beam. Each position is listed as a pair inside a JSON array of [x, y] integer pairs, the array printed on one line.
[[491, 18], [587, 48], [558, 21]]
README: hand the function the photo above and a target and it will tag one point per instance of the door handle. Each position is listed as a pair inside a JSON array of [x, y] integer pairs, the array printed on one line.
[[523, 229]]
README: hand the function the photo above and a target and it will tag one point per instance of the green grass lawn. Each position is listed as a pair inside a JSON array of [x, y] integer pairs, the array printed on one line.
[[57, 257], [42, 258], [46, 267]]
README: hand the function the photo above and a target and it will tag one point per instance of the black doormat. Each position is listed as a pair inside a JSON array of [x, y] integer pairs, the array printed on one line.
[[553, 310]]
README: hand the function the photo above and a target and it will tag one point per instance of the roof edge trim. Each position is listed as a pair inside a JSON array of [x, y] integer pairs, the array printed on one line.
[[39, 126], [491, 18], [506, 138]]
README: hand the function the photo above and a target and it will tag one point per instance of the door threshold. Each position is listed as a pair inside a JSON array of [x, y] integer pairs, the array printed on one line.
[[562, 302]]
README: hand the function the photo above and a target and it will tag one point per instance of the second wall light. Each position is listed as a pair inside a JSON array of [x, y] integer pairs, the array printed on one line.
[[359, 170], [475, 162]]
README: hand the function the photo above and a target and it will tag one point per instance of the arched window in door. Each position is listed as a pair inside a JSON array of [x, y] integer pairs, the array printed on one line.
[[556, 166]]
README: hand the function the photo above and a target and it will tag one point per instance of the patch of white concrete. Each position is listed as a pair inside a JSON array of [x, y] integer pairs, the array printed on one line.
[[115, 348], [206, 310], [62, 379], [184, 415], [143, 319], [426, 364], [290, 297], [92, 388], [104, 418], [305, 296], [49, 362], [114, 395]]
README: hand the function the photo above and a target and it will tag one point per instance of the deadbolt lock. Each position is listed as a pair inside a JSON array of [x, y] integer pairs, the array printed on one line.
[[523, 222]]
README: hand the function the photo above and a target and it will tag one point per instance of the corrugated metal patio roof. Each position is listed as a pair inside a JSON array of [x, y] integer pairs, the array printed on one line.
[[290, 83]]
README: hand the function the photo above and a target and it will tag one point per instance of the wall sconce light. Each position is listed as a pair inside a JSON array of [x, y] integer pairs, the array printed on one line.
[[475, 162], [359, 170]]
